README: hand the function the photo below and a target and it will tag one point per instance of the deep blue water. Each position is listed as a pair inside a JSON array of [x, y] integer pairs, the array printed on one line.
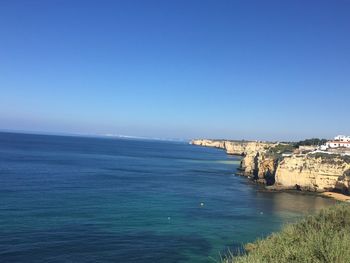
[[72, 199]]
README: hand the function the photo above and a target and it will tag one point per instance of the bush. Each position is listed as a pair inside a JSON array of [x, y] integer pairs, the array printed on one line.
[[321, 238], [277, 151], [310, 142]]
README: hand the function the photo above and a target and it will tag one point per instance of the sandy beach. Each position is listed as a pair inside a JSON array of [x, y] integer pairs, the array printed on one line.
[[337, 196]]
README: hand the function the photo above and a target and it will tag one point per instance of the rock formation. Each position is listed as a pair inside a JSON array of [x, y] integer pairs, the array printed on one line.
[[314, 172], [234, 147], [265, 163], [209, 143], [255, 162]]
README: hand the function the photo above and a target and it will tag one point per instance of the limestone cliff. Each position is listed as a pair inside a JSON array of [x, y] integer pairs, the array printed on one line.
[[255, 163], [266, 163], [231, 147], [266, 168], [234, 147], [314, 172], [209, 143]]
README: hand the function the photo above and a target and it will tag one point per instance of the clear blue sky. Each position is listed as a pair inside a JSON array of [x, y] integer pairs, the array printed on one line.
[[192, 68]]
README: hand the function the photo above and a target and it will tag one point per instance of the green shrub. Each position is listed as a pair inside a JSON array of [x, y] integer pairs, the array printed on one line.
[[321, 238], [310, 142], [277, 151]]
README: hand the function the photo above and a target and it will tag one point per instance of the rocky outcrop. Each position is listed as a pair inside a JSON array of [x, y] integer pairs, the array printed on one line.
[[314, 172], [264, 163], [266, 169], [255, 162], [234, 147], [231, 147], [260, 166], [209, 143]]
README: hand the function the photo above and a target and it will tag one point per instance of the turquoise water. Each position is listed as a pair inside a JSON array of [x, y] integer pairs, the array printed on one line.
[[71, 199]]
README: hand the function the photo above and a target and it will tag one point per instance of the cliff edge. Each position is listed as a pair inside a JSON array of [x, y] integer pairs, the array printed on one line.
[[314, 172], [281, 166]]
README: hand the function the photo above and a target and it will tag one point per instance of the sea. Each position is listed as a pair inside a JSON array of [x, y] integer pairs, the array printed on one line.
[[83, 199]]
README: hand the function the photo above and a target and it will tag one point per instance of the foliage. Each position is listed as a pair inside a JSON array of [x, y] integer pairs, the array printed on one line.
[[277, 151], [282, 148], [321, 238], [310, 142]]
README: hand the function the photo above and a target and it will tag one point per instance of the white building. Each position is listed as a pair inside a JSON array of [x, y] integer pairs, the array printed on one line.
[[324, 147], [340, 141], [342, 138]]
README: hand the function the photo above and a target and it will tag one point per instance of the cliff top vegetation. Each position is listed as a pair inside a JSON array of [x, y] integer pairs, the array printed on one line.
[[310, 142], [324, 237], [277, 151]]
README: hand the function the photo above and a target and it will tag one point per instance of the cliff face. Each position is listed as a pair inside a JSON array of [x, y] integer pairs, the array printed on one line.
[[209, 143], [237, 148], [255, 163], [262, 162], [314, 173], [260, 166], [234, 147], [266, 169]]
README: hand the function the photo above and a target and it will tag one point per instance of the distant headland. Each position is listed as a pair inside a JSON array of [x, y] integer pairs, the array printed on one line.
[[315, 165]]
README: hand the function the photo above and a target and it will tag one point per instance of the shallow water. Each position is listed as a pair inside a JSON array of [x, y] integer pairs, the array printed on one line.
[[71, 199]]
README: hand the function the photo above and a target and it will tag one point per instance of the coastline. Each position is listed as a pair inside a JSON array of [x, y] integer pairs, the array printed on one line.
[[329, 195], [282, 167], [337, 196], [321, 176]]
